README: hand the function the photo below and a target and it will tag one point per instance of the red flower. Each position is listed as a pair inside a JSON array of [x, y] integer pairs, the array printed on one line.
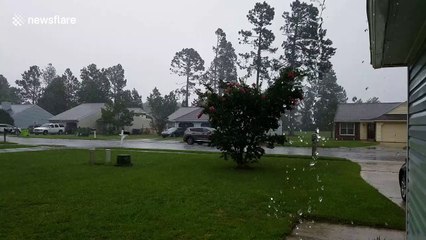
[[212, 109], [291, 74]]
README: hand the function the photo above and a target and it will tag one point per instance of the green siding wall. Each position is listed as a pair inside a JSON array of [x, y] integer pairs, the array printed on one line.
[[416, 198]]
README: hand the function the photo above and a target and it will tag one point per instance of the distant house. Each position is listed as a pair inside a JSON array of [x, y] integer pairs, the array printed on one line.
[[87, 115], [381, 122], [26, 115], [188, 117]]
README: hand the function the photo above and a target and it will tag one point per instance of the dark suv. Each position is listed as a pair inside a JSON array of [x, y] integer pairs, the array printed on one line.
[[197, 135]]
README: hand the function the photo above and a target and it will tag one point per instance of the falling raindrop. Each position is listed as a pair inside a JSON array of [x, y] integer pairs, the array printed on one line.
[[320, 199], [322, 188], [300, 212], [318, 179], [288, 178], [309, 209], [272, 199]]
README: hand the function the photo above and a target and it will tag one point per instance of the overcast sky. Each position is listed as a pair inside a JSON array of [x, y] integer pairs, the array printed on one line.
[[144, 36]]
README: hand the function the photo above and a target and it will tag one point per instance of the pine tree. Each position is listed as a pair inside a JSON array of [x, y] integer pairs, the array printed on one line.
[[189, 64], [261, 38], [30, 85], [224, 65], [95, 87], [72, 87]]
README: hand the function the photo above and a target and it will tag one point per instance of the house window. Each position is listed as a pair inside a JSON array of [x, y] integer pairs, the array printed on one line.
[[347, 129]]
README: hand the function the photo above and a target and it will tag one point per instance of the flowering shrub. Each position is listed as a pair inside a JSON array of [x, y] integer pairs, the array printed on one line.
[[244, 114]]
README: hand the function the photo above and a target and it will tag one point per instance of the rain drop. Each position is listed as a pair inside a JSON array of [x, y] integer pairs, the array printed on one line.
[[320, 199]]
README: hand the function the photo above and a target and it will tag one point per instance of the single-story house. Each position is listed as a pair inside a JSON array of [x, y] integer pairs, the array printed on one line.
[[188, 117], [398, 39], [381, 122], [86, 115], [26, 115], [141, 121]]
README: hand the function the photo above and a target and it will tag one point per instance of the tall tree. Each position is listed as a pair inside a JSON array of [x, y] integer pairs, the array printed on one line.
[[48, 74], [116, 114], [115, 76], [4, 89], [161, 108], [188, 63], [54, 98], [261, 38], [72, 87], [224, 65], [301, 31], [30, 85], [136, 100], [330, 94], [6, 118], [95, 87]]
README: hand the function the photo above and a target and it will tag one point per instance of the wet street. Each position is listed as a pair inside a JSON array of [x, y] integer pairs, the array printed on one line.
[[355, 154]]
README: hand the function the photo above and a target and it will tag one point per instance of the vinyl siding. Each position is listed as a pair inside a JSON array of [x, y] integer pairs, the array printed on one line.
[[416, 204]]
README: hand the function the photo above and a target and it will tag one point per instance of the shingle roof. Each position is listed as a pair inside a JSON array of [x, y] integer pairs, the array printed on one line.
[[79, 112], [392, 117], [19, 108], [181, 112], [193, 116], [355, 112], [188, 114]]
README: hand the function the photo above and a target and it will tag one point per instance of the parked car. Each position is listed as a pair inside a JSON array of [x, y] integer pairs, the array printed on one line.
[[173, 132], [9, 129], [198, 135], [403, 180], [49, 128]]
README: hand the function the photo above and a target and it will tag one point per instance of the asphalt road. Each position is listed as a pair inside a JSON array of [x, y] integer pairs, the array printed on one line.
[[355, 154]]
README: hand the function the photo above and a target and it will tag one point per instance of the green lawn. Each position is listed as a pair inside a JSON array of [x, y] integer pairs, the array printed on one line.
[[6, 145], [104, 137], [58, 195], [303, 139]]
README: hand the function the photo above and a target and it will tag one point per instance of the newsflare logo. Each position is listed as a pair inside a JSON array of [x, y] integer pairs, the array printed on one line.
[[19, 20]]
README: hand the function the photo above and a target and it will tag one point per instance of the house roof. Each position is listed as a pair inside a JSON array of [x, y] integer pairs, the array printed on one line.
[[392, 117], [137, 110], [180, 112], [188, 114], [396, 31], [17, 108], [357, 112], [79, 112]]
